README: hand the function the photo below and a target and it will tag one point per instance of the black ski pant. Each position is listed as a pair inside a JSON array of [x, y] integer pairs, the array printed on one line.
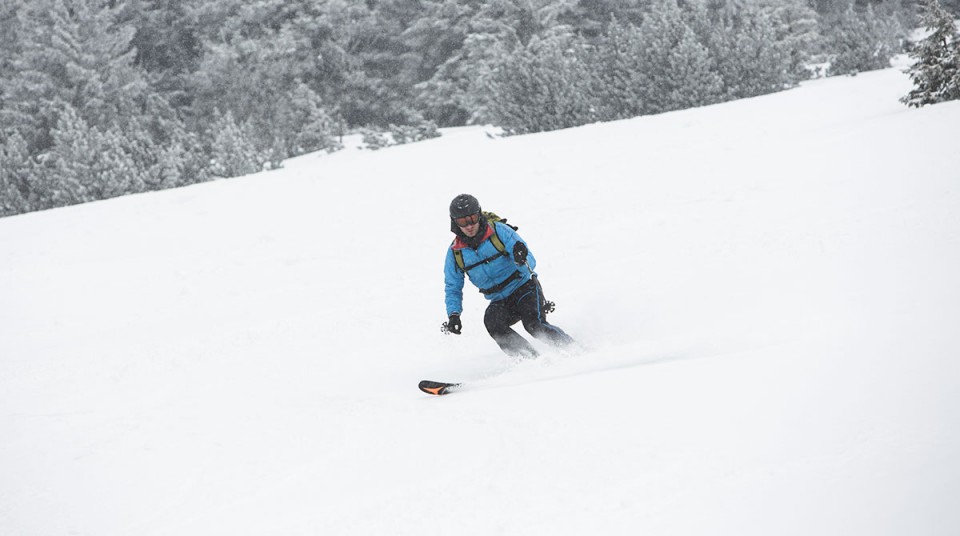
[[524, 305]]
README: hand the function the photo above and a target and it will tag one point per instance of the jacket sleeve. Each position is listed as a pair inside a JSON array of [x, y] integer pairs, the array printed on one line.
[[453, 284]]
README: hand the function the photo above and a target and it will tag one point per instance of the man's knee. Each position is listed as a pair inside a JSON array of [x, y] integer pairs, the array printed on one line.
[[533, 327]]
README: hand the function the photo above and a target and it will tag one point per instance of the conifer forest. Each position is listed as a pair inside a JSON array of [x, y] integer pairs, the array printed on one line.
[[101, 98]]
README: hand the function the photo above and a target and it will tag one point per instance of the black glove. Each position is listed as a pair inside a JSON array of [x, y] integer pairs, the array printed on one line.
[[452, 325], [520, 253]]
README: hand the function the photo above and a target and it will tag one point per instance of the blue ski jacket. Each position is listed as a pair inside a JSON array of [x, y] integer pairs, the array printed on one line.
[[485, 275]]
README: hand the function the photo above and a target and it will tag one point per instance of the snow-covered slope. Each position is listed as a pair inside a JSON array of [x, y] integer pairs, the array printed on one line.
[[767, 291]]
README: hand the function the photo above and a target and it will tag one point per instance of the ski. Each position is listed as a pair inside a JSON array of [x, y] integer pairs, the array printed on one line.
[[438, 388]]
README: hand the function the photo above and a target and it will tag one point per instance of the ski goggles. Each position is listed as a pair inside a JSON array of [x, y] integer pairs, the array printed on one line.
[[468, 220]]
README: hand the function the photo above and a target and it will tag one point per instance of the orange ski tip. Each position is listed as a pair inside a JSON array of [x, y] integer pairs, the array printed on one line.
[[437, 388]]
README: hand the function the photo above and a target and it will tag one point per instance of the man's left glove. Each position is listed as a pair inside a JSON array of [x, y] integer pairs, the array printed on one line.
[[452, 325], [520, 253]]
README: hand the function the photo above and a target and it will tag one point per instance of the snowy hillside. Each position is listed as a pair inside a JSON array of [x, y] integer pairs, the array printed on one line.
[[767, 291]]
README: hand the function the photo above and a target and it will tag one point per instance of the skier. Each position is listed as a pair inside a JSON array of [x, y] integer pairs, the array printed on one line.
[[497, 262]]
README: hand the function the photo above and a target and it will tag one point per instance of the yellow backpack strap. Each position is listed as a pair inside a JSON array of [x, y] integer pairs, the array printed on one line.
[[458, 257], [497, 243]]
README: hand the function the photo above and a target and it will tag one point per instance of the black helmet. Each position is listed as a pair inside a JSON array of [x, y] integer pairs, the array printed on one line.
[[464, 205]]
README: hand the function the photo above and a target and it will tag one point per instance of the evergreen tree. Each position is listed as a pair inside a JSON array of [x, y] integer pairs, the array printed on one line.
[[330, 34], [936, 72], [498, 31], [540, 88], [84, 58], [796, 33], [436, 40], [233, 149], [460, 83], [15, 172], [675, 69], [260, 73], [85, 164], [749, 61], [167, 41], [862, 40], [614, 61], [757, 49], [157, 142]]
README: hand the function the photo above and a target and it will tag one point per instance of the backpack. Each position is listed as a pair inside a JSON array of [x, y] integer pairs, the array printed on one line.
[[493, 218]]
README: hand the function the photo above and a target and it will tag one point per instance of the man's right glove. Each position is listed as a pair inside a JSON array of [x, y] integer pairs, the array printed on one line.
[[452, 325]]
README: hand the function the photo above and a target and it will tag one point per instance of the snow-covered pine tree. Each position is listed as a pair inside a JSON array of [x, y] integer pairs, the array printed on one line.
[[540, 88], [15, 167], [157, 140], [936, 72], [302, 124], [613, 59], [91, 61], [85, 164], [60, 180], [675, 67], [233, 149], [862, 40], [756, 48]]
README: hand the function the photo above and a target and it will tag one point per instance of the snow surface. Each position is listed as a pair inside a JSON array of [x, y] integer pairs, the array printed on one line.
[[768, 291]]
